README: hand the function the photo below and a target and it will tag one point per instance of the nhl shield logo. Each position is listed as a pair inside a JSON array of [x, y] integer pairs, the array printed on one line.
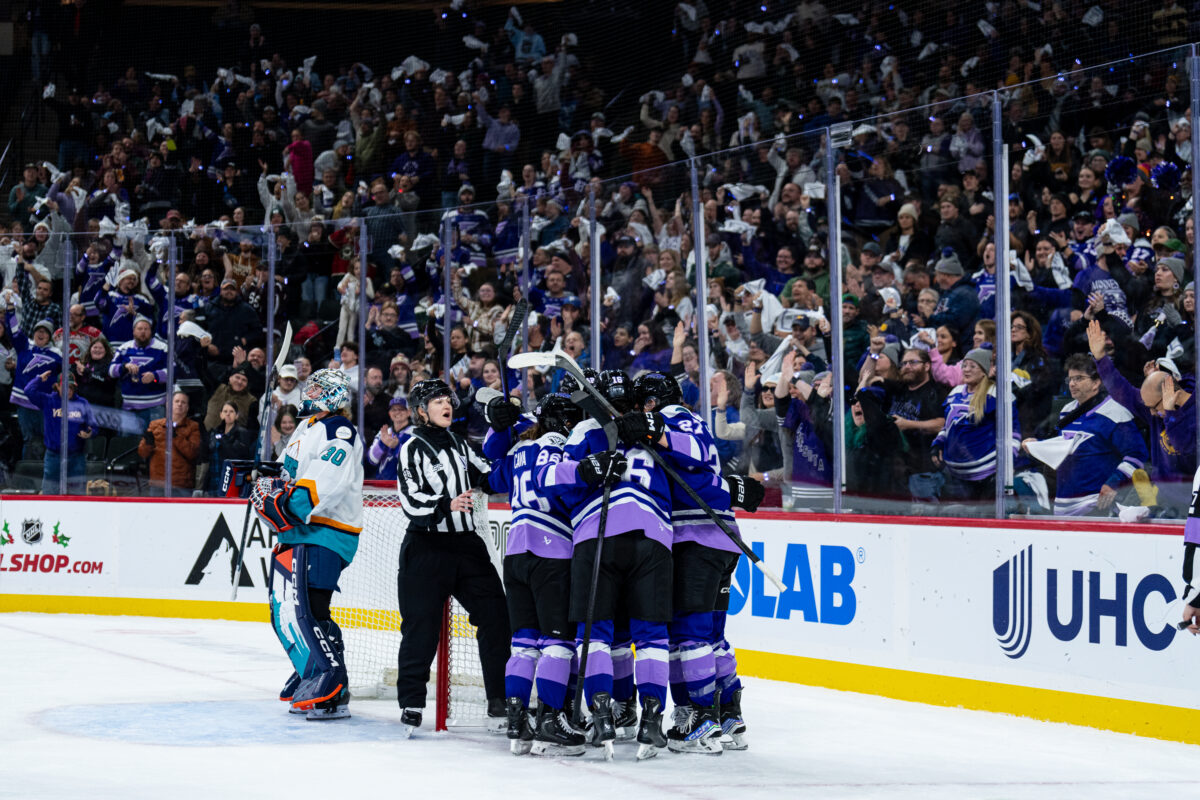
[[31, 531]]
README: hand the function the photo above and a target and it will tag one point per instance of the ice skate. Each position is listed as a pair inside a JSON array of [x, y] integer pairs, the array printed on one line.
[[554, 735], [697, 730], [335, 708], [625, 719], [520, 731], [410, 720], [603, 731], [733, 727], [496, 720], [650, 736]]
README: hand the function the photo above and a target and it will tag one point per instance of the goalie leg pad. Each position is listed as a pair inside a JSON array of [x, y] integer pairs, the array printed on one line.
[[314, 645]]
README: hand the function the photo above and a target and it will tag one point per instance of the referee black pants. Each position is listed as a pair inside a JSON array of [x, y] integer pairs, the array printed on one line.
[[433, 567]]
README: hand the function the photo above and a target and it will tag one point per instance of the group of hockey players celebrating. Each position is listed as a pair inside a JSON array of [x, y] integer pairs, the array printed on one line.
[[606, 546]]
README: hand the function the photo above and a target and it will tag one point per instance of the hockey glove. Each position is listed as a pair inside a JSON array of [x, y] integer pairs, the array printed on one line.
[[637, 429], [500, 413], [269, 498], [745, 492], [602, 468]]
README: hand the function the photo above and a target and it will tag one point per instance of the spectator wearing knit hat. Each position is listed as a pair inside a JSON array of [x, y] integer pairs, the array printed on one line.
[[958, 305]]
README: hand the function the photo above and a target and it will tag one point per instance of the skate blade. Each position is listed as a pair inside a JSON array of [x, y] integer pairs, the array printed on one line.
[[551, 750], [646, 751], [708, 747], [626, 734], [608, 751], [294, 710], [406, 731], [519, 747], [323, 714], [734, 741]]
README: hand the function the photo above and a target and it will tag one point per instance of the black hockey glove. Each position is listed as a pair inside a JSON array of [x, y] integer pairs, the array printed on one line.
[[500, 413], [600, 468], [638, 429], [745, 492]]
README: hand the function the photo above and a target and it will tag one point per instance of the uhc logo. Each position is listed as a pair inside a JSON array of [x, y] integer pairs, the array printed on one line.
[[1083, 603], [1012, 603]]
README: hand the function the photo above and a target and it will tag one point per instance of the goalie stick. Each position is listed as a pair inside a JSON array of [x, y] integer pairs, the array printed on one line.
[[285, 346], [558, 358]]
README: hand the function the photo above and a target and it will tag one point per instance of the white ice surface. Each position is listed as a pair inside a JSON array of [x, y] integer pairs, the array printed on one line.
[[129, 707]]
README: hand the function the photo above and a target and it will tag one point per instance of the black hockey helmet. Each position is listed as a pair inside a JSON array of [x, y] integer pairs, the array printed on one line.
[[557, 413], [424, 391], [657, 386], [569, 385], [614, 384]]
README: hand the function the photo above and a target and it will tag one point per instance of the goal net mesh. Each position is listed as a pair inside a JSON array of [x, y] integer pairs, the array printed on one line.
[[366, 610]]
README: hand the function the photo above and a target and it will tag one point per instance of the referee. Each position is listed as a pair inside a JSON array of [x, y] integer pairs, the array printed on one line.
[[443, 556]]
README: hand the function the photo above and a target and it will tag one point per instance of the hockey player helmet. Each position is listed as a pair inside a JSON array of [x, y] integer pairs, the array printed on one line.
[[657, 386], [614, 384], [557, 413], [326, 390], [424, 391], [569, 385]]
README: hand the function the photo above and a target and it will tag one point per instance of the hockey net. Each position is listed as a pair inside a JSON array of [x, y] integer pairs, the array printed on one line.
[[366, 610]]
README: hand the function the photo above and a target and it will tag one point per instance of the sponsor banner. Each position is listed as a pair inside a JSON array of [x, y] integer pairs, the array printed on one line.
[[1089, 613], [1058, 610]]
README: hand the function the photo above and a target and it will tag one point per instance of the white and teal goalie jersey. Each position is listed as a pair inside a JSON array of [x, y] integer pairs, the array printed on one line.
[[323, 467]]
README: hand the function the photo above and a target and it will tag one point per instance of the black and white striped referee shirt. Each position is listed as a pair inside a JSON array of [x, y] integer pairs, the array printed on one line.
[[433, 467]]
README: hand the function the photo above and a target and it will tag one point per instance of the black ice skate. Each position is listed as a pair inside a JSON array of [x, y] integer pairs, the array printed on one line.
[[520, 731], [496, 720], [410, 720], [604, 733], [697, 730], [554, 735], [289, 690], [733, 727], [625, 719], [333, 708], [650, 736]]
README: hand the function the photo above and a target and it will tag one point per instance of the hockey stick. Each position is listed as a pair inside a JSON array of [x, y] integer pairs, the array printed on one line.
[[558, 358], [286, 345], [610, 431], [520, 312]]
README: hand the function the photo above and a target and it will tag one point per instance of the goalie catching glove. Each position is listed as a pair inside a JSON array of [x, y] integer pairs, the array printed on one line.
[[500, 413], [638, 429], [269, 498], [602, 468], [745, 492]]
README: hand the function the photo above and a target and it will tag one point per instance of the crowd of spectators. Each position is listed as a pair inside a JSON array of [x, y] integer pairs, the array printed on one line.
[[275, 159]]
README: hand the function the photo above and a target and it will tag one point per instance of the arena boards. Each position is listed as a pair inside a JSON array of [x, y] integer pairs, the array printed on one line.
[[1055, 621]]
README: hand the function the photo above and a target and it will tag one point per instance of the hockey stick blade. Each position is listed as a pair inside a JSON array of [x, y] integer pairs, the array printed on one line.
[[523, 360], [487, 394], [559, 358], [284, 347], [520, 312]]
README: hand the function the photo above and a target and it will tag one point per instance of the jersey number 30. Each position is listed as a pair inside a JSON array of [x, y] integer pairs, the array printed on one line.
[[334, 455]]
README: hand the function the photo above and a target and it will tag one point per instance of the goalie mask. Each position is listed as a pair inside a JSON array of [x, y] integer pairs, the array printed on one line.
[[327, 390], [659, 387], [558, 414]]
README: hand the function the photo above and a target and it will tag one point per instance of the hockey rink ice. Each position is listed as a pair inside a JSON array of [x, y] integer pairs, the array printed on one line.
[[133, 707]]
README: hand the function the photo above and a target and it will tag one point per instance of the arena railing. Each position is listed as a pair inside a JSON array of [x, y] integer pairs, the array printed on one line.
[[836, 164]]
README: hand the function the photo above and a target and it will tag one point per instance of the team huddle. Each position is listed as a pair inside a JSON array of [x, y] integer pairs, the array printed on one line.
[[617, 564]]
